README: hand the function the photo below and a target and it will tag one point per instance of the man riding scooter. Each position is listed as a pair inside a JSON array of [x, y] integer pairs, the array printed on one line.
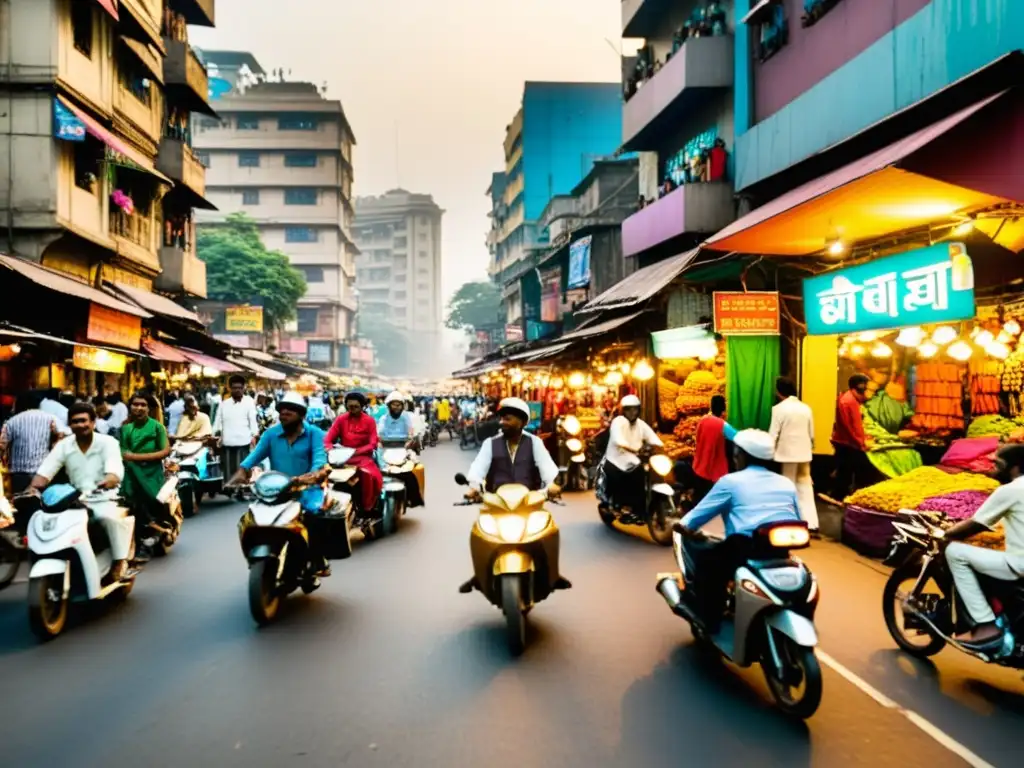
[[397, 426], [296, 449], [628, 437]]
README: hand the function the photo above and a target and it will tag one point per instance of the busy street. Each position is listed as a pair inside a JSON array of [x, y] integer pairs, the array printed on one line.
[[387, 664]]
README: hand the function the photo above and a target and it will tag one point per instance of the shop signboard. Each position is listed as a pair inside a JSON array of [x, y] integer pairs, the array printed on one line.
[[320, 352], [95, 359], [536, 330], [681, 343], [579, 262], [550, 295], [67, 126], [928, 285], [243, 319], [747, 313], [513, 332], [108, 326]]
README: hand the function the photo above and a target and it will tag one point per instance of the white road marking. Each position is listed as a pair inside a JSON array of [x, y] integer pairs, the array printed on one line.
[[925, 726]]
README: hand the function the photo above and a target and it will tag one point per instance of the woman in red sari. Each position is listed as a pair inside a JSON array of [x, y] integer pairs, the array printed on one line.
[[356, 429]]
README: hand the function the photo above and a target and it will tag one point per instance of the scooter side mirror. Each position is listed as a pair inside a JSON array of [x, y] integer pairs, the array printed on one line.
[[461, 479]]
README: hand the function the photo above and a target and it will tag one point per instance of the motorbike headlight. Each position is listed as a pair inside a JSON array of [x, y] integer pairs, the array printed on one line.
[[574, 444], [537, 522], [511, 527], [488, 524], [661, 464], [571, 425]]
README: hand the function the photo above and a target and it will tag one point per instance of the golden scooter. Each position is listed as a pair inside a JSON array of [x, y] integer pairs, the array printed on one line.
[[514, 545]]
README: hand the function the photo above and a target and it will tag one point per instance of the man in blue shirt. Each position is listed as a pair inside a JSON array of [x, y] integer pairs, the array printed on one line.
[[745, 500], [397, 424]]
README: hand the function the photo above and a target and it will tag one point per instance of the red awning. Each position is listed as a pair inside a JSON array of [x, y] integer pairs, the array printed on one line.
[[209, 362], [165, 352], [95, 129], [110, 6], [740, 235]]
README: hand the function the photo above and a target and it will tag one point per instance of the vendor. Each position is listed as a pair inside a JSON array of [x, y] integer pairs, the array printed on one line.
[[710, 458], [852, 467]]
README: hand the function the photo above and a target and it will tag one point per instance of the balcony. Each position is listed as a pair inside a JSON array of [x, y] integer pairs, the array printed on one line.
[[133, 237], [692, 208], [701, 66], [186, 79], [177, 160], [200, 13], [183, 272], [142, 106]]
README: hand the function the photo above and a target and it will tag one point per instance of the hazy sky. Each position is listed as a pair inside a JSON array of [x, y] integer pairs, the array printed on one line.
[[443, 76]]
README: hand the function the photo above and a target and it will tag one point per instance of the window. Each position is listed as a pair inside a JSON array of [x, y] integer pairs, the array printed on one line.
[[81, 28], [248, 123], [297, 123], [248, 159], [422, 236], [401, 242], [422, 286], [250, 197], [300, 196], [423, 254], [132, 76], [400, 295], [312, 274], [307, 318], [300, 160], [208, 124], [203, 157], [301, 235], [423, 271], [423, 220], [88, 156]]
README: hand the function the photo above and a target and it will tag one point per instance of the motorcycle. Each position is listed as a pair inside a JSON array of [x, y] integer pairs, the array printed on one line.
[[164, 533], [663, 506], [769, 617], [572, 455], [72, 539], [514, 545], [404, 481], [467, 433], [375, 523], [919, 603], [275, 535], [198, 470]]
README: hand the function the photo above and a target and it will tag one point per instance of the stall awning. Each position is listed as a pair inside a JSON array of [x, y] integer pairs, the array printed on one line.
[[598, 329], [96, 130], [866, 199], [110, 6], [16, 333], [255, 354], [547, 352], [259, 370], [154, 302], [163, 352], [642, 284], [209, 362], [55, 281]]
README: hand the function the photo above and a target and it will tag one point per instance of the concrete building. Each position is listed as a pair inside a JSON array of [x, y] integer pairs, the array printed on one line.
[[399, 271], [281, 152], [97, 175], [678, 104], [550, 145]]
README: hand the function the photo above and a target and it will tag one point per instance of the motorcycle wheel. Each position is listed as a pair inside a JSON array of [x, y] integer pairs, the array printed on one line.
[[515, 616], [46, 616], [389, 519], [660, 523], [264, 601], [606, 515], [10, 561], [802, 697], [928, 643], [188, 502]]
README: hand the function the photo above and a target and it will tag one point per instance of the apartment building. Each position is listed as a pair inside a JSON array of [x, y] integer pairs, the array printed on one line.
[[399, 271], [97, 175], [281, 152]]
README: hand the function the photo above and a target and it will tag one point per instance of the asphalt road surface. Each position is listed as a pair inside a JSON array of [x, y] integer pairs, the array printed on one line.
[[387, 665]]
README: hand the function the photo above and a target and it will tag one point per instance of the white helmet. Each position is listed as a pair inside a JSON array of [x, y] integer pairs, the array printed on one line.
[[293, 399], [756, 442], [394, 397], [630, 401], [516, 405]]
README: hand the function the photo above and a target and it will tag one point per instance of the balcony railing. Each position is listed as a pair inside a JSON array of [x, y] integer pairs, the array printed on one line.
[[178, 160], [182, 271], [133, 235], [692, 208]]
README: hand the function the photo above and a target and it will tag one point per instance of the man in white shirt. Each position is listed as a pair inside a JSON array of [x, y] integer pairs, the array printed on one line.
[[965, 561], [792, 432], [51, 405], [236, 426], [513, 456], [118, 411], [628, 436]]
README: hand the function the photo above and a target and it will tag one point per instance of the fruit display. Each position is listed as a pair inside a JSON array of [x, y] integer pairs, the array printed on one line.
[[938, 397], [695, 394], [911, 489], [876, 433], [667, 392], [986, 376], [1012, 380], [992, 425]]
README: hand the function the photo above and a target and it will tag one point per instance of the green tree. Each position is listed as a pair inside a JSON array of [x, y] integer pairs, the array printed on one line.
[[474, 306], [240, 268]]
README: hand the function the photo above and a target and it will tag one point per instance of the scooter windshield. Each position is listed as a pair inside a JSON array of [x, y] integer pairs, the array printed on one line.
[[269, 486]]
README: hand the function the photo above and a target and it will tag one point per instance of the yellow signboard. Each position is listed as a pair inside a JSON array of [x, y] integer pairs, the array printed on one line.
[[93, 359], [243, 319]]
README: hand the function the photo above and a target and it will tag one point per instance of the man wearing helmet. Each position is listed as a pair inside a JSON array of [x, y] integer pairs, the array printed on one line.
[[397, 423], [746, 499], [628, 437]]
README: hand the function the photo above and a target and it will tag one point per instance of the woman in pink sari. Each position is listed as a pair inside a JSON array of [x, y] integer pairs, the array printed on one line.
[[356, 429]]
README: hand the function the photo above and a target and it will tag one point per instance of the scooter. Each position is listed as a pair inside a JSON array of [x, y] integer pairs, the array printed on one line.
[[74, 540], [275, 535], [660, 510], [375, 523], [572, 455], [514, 545], [198, 470], [404, 479], [770, 613]]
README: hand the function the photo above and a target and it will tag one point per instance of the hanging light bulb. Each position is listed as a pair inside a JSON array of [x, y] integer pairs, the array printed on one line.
[[997, 350], [557, 383], [613, 378], [577, 380], [625, 368], [867, 336], [983, 338], [927, 350], [643, 371], [881, 350], [857, 350], [944, 334], [910, 337], [960, 350], [1012, 327], [1004, 337]]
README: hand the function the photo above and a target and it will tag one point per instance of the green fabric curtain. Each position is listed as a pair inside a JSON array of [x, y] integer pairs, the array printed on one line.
[[752, 365]]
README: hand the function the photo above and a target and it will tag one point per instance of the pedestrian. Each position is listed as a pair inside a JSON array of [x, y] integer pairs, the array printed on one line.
[[852, 467], [144, 446], [236, 425], [194, 424], [118, 412], [792, 433], [710, 457], [26, 439], [175, 409], [102, 415], [51, 404]]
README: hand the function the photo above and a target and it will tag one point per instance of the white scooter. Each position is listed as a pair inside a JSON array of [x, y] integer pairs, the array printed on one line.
[[74, 540]]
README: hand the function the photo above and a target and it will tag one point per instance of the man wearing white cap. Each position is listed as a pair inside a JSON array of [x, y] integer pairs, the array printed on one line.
[[628, 435], [745, 500]]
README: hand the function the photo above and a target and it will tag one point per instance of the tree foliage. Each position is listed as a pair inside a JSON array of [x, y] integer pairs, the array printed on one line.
[[239, 267], [474, 306]]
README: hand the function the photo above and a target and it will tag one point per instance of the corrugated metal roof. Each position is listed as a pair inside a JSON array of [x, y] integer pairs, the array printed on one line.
[[56, 281], [598, 328], [642, 284], [154, 302]]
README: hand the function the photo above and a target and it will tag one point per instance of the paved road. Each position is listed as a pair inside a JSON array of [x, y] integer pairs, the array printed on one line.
[[389, 666]]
